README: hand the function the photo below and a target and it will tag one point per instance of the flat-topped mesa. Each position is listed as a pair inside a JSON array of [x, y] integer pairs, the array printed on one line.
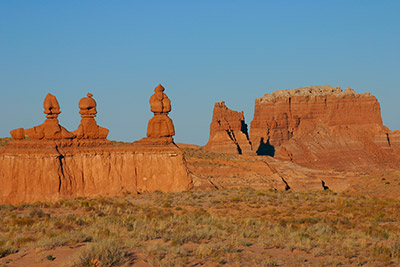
[[88, 128], [322, 126], [228, 132], [160, 128], [50, 129]]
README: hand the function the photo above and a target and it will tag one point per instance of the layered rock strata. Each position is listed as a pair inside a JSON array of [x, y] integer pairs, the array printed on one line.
[[56, 169], [47, 162], [228, 132], [321, 126]]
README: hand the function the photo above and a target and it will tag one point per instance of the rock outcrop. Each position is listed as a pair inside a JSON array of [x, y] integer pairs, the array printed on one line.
[[160, 128], [50, 129], [228, 132], [53, 163], [57, 169], [321, 126], [88, 129]]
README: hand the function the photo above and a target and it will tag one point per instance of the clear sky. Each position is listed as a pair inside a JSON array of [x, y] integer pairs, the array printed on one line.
[[201, 51]]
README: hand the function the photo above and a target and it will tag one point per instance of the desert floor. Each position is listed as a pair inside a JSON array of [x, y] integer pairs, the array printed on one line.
[[235, 216]]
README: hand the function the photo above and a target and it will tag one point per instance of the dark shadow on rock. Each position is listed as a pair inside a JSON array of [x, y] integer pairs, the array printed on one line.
[[244, 129], [232, 137], [239, 149], [287, 187], [324, 186], [265, 149]]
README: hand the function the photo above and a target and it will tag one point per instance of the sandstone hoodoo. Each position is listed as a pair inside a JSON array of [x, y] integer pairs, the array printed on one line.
[[53, 163], [228, 132], [321, 126], [50, 129], [88, 128], [160, 128]]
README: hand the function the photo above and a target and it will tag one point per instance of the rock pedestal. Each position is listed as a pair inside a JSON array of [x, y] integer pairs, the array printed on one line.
[[160, 128], [88, 129]]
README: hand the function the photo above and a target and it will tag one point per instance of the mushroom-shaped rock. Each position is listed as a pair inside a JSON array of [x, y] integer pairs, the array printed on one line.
[[51, 106], [88, 129], [160, 128], [160, 125], [50, 129], [87, 106]]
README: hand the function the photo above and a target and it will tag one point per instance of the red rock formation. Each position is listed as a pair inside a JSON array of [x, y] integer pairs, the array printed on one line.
[[57, 169], [160, 128], [50, 129], [228, 132], [88, 129], [323, 127], [49, 167]]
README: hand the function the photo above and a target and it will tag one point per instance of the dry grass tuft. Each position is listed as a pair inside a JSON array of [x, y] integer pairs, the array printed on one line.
[[104, 253]]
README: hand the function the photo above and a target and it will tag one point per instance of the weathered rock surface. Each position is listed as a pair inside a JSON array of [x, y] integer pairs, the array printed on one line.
[[160, 128], [56, 169], [321, 126], [50, 129], [228, 132], [88, 129], [219, 170]]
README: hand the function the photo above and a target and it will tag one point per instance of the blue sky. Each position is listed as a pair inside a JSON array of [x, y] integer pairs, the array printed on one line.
[[201, 51]]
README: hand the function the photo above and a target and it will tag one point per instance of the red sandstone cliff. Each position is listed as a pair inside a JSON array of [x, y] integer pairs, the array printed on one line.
[[57, 169], [323, 127], [228, 132]]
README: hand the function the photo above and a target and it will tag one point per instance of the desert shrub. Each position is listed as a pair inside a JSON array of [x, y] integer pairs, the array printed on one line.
[[22, 240], [165, 255], [102, 254], [66, 238], [23, 221]]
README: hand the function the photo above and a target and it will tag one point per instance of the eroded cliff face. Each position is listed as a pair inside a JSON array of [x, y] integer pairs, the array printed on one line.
[[228, 132], [323, 127], [57, 169]]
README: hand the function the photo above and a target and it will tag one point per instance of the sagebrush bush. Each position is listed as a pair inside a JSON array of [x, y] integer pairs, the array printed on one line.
[[104, 253]]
